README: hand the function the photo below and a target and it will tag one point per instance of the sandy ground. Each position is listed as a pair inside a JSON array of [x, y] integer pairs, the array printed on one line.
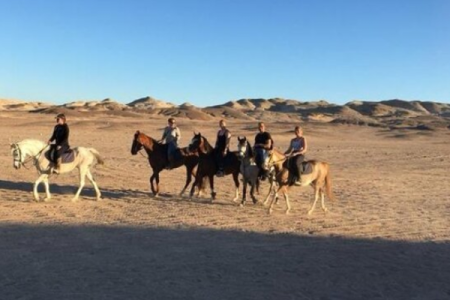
[[386, 237]]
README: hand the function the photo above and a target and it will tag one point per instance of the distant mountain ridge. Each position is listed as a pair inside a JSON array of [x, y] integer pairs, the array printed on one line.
[[389, 113]]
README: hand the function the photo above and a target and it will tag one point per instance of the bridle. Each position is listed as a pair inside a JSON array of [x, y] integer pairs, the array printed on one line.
[[18, 158]]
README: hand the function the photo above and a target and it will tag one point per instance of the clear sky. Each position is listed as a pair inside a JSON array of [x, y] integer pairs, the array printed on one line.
[[211, 51]]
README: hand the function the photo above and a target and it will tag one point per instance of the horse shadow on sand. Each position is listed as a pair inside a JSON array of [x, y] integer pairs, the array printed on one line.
[[107, 194]]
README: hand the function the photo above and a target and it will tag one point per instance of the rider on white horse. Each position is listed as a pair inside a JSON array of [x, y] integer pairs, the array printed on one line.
[[59, 141]]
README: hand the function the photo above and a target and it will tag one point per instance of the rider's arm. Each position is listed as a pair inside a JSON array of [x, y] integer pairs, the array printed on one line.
[[164, 135], [289, 150], [52, 138], [227, 146], [305, 148], [177, 135], [269, 143]]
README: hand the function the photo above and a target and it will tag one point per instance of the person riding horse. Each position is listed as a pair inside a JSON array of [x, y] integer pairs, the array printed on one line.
[[222, 146], [296, 151], [171, 136], [263, 144], [59, 141]]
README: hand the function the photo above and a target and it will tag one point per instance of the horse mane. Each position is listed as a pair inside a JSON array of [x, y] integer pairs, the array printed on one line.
[[206, 144], [250, 149], [152, 140], [32, 141]]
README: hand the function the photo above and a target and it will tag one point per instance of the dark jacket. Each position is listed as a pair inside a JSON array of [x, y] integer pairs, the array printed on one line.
[[61, 135]]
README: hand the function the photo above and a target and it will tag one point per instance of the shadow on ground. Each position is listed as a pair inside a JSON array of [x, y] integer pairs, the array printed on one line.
[[99, 262]]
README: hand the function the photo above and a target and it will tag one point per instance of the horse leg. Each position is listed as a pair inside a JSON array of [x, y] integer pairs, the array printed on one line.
[[236, 184], [152, 178], [47, 190], [286, 197], [211, 185], [252, 192], [157, 184], [322, 194], [244, 192], [91, 179], [275, 197], [188, 180], [316, 197], [36, 184], [82, 182], [196, 182], [271, 189]]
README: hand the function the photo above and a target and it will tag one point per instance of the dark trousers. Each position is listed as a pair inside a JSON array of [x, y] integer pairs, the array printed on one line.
[[295, 165], [57, 153], [220, 159]]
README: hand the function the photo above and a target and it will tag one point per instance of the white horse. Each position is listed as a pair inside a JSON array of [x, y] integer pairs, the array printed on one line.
[[34, 150], [249, 169]]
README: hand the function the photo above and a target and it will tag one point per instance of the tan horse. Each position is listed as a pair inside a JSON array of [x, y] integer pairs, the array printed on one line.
[[319, 179], [34, 150]]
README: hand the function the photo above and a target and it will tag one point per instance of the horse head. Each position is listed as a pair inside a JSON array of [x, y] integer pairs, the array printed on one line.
[[138, 142], [199, 144], [17, 156], [244, 148], [276, 159]]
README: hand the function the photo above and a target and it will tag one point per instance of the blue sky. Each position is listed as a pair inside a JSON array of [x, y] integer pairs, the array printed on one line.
[[211, 51]]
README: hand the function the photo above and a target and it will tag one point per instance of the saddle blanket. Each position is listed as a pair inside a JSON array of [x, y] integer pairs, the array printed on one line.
[[66, 157]]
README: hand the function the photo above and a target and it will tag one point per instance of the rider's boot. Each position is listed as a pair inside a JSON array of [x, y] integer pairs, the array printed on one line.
[[57, 168]]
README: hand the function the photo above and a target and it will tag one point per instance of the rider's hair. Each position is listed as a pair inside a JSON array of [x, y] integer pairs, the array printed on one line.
[[171, 120]]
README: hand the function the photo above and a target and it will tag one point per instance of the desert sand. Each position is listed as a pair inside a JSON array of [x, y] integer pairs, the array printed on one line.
[[385, 237]]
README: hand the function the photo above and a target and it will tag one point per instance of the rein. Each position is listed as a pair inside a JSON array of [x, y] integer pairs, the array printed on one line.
[[32, 157]]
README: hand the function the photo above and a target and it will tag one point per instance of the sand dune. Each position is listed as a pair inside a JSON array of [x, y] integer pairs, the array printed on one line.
[[389, 113]]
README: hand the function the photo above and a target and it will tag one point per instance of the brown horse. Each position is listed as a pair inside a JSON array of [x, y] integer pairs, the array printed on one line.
[[157, 157], [319, 179], [207, 165]]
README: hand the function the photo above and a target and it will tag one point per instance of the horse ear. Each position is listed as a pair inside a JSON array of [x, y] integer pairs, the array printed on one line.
[[137, 132], [239, 138]]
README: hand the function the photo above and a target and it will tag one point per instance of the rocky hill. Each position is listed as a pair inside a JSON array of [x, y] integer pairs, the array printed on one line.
[[388, 113]]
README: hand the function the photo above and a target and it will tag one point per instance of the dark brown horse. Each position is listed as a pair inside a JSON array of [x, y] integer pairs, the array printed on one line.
[[207, 165], [157, 157]]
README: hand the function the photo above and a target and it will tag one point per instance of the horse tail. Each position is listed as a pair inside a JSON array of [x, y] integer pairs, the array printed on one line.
[[99, 159], [328, 183], [257, 185]]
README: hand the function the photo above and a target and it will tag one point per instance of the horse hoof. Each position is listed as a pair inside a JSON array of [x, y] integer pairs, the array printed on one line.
[[287, 212], [270, 211], [47, 199], [310, 212], [74, 199]]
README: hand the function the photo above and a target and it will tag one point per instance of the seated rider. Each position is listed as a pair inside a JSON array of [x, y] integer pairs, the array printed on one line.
[[297, 149], [263, 143], [171, 136], [59, 141], [222, 146]]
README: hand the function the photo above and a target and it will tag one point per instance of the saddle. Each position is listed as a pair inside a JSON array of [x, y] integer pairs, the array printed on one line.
[[306, 168], [66, 157]]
